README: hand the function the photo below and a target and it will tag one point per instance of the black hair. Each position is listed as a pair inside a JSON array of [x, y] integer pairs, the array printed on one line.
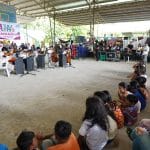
[[109, 98], [133, 85], [106, 98], [101, 95], [142, 70], [96, 112], [123, 84], [132, 99], [63, 129], [141, 81], [4, 49], [25, 140], [141, 62]]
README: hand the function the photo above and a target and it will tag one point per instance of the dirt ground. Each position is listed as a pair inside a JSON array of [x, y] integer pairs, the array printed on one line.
[[37, 102]]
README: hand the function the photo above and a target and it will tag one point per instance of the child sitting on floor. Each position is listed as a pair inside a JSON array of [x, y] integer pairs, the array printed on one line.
[[135, 89], [112, 133], [130, 112], [123, 92], [93, 133], [62, 139], [142, 87], [139, 70], [27, 141], [113, 106], [140, 136]]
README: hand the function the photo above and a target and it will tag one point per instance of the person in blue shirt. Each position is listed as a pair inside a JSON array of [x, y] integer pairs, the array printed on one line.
[[141, 139], [134, 88], [140, 136], [3, 147]]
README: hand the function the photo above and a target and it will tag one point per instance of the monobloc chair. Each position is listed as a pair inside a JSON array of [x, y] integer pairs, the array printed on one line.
[[4, 66]]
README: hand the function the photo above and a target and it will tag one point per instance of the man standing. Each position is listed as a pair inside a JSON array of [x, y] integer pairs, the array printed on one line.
[[145, 53]]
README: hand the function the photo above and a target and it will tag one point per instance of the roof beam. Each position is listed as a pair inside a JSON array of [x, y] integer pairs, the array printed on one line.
[[47, 3], [140, 4], [41, 6], [107, 18], [113, 12], [70, 11], [20, 3]]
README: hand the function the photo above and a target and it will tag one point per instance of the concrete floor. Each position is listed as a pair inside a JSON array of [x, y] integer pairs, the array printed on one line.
[[37, 102]]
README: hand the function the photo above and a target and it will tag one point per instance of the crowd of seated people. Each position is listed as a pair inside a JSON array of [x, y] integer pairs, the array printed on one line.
[[136, 53], [101, 121], [139, 70], [107, 46]]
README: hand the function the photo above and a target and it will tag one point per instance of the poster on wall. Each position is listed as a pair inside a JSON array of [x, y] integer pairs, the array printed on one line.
[[7, 13], [10, 31]]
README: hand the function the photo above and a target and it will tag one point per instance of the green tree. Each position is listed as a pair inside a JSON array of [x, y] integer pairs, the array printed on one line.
[[61, 31]]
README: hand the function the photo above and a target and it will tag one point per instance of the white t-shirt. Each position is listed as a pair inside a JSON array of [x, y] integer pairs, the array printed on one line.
[[146, 50], [113, 130], [143, 75], [1, 46], [1, 54], [96, 137], [138, 105]]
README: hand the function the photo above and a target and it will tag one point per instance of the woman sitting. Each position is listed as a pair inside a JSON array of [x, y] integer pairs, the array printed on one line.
[[93, 133], [112, 131]]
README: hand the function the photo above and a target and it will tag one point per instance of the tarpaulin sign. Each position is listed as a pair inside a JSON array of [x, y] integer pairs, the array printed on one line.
[[10, 31]]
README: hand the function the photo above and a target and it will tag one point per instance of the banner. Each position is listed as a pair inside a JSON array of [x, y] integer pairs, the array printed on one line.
[[10, 31]]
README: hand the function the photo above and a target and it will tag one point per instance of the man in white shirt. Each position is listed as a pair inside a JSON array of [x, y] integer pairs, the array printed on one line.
[[145, 53]]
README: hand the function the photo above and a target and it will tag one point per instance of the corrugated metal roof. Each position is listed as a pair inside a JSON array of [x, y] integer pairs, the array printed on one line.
[[81, 12]]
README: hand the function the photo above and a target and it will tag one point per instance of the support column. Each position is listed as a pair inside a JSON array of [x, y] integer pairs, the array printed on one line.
[[51, 30], [93, 19], [26, 28], [54, 34]]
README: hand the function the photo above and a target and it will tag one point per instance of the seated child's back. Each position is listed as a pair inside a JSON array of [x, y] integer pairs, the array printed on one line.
[[130, 112]]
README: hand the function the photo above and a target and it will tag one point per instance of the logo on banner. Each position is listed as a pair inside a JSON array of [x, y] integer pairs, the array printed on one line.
[[9, 31]]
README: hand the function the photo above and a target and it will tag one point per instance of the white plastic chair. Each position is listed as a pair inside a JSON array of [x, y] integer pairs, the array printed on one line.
[[4, 65]]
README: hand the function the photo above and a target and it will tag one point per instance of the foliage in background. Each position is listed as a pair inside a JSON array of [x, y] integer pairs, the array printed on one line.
[[62, 31]]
